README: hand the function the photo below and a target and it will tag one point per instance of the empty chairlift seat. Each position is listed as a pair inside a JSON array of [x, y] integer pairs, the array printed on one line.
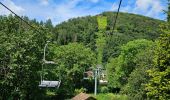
[[103, 80], [49, 84]]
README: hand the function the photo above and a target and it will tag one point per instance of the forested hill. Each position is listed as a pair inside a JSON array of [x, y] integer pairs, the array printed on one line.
[[128, 27], [21, 54]]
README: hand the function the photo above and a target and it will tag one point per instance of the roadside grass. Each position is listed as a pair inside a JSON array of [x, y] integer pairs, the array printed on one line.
[[110, 96]]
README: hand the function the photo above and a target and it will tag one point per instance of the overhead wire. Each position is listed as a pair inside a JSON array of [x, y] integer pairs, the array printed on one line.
[[20, 17], [115, 21], [117, 14]]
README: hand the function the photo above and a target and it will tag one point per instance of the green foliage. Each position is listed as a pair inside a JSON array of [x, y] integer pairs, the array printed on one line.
[[72, 60], [101, 38], [135, 88], [77, 30], [20, 59], [102, 22], [159, 84], [84, 29], [113, 45], [104, 89], [100, 43], [112, 83], [110, 96], [120, 68], [81, 90]]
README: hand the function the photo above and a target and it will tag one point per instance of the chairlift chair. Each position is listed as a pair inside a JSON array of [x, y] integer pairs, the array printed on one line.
[[48, 62], [47, 83], [103, 80]]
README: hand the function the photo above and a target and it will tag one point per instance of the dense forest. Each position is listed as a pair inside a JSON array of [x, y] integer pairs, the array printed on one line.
[[135, 56]]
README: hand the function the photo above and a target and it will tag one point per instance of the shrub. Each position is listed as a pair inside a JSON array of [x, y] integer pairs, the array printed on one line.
[[77, 91], [104, 89]]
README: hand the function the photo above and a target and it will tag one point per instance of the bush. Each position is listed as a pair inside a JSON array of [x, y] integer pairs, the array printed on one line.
[[77, 91], [104, 89], [135, 88]]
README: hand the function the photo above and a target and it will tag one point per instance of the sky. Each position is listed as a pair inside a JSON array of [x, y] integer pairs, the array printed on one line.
[[62, 10]]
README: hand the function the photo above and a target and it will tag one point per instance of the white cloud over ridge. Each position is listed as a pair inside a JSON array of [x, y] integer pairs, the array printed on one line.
[[62, 10], [150, 8], [67, 10]]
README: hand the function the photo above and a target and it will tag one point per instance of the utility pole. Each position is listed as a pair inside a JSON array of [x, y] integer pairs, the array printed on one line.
[[95, 87], [97, 74]]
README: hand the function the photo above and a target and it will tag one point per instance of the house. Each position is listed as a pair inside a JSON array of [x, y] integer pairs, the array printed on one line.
[[88, 74]]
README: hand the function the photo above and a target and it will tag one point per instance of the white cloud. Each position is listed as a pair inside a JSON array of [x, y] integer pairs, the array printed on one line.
[[123, 9], [114, 7], [94, 1], [143, 4], [17, 9], [44, 2], [68, 10], [126, 9], [151, 8]]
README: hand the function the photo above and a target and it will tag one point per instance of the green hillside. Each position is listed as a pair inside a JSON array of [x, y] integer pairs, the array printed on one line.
[[129, 27]]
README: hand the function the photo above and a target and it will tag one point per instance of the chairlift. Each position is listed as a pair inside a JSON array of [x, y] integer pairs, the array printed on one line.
[[48, 62], [47, 83], [103, 80]]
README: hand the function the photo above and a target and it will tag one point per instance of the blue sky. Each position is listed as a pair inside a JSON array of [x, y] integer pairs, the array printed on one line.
[[62, 10]]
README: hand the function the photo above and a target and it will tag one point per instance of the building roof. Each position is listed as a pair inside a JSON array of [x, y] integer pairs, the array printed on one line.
[[83, 96]]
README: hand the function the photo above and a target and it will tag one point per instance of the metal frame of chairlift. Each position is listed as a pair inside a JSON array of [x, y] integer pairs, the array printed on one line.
[[46, 83]]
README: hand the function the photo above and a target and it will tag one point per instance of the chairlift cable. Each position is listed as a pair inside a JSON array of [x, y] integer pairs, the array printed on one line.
[[117, 14], [116, 19], [20, 17]]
